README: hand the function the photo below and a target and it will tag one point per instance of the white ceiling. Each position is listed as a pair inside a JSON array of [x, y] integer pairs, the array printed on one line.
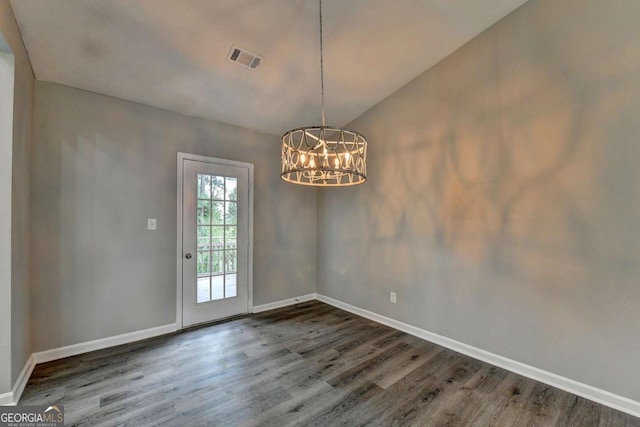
[[172, 54]]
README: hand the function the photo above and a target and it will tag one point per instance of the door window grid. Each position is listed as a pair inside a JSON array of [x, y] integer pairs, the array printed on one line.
[[217, 252]]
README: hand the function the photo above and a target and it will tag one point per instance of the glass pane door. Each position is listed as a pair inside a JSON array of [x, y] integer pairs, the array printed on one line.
[[215, 247]]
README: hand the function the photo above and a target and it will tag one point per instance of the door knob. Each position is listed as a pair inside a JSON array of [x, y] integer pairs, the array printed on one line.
[[187, 255]]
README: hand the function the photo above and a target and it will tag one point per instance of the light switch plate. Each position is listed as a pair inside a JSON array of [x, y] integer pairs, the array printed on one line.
[[152, 224], [392, 297]]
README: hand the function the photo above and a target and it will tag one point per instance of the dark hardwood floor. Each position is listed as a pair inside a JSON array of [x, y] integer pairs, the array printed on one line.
[[306, 365]]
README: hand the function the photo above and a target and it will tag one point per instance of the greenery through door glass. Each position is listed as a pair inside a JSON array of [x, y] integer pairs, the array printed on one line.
[[217, 247]]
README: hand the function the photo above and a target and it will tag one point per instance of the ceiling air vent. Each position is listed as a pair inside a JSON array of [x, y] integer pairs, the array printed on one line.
[[244, 57]]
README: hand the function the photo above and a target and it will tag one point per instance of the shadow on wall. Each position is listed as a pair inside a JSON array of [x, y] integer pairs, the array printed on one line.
[[501, 198]]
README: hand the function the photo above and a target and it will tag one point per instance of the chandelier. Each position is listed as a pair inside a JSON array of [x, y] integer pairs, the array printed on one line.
[[324, 156]]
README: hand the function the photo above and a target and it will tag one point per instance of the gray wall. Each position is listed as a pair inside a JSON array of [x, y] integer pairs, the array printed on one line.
[[504, 194], [20, 202], [6, 146], [101, 167]]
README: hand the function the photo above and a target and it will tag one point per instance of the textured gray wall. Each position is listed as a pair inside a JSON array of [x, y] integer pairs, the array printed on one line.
[[20, 202], [504, 194], [101, 167]]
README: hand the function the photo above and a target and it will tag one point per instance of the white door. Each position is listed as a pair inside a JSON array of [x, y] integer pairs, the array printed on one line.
[[215, 249]]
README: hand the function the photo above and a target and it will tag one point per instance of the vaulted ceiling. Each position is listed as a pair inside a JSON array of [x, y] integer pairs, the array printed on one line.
[[173, 54]]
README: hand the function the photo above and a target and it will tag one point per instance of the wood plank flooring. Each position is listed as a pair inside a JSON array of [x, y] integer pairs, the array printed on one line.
[[305, 365]]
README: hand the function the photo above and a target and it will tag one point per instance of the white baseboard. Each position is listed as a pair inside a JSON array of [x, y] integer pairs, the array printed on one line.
[[99, 344], [11, 398], [603, 397], [14, 395], [6, 399], [23, 379], [283, 303]]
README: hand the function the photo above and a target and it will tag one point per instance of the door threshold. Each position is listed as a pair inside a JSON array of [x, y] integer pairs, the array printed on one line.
[[216, 322]]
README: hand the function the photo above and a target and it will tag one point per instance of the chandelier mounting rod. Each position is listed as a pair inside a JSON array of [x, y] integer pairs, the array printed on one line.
[[321, 67]]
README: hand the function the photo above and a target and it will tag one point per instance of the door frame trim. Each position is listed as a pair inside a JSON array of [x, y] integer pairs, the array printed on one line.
[[179, 200]]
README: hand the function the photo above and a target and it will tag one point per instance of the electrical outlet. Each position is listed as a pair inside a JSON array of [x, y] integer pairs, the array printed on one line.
[[151, 224], [392, 297]]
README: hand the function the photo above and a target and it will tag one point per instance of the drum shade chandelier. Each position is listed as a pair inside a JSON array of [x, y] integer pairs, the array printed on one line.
[[324, 156]]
